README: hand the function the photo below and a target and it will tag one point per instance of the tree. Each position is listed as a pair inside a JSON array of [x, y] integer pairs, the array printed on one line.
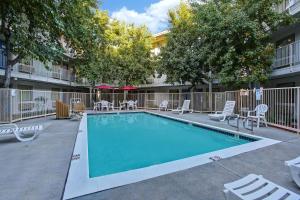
[[91, 59], [129, 53], [43, 29], [179, 59], [236, 38]]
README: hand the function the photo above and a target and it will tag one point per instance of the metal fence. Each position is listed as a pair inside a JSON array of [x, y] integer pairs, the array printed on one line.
[[284, 103]]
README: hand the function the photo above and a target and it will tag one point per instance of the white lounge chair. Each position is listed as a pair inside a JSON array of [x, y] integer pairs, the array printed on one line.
[[294, 166], [260, 114], [185, 107], [227, 111], [20, 132], [257, 187], [163, 105]]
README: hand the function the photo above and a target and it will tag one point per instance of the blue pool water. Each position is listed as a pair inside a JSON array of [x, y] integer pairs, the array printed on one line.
[[123, 142]]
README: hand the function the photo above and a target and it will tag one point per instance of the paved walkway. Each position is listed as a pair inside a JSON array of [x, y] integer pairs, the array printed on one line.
[[38, 169]]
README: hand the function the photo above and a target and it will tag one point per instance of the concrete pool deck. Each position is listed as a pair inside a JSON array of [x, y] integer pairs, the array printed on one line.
[[38, 169]]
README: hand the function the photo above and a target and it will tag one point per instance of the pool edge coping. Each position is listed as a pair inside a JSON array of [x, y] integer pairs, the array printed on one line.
[[79, 183]]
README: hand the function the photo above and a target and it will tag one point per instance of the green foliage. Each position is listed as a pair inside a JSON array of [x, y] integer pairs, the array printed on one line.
[[78, 32], [31, 28], [45, 30], [129, 53], [236, 38], [179, 59], [229, 39]]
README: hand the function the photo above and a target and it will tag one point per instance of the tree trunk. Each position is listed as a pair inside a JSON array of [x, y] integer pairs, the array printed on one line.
[[10, 63], [7, 76]]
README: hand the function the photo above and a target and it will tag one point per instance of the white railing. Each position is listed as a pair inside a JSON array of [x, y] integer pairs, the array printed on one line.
[[39, 70], [288, 55], [292, 6], [284, 103]]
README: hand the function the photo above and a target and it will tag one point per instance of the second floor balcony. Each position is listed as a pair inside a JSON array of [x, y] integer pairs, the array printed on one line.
[[37, 71], [287, 58], [292, 6]]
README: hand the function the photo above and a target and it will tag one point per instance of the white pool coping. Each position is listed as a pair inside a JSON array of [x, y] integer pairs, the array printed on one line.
[[79, 183]]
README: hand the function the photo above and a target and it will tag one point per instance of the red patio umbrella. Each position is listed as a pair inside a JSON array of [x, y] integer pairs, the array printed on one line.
[[104, 87], [128, 87]]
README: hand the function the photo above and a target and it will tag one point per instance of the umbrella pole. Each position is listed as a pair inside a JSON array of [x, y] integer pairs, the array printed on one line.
[[125, 95]]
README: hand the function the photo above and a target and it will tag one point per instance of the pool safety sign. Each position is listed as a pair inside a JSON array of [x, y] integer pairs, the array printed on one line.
[[258, 93]]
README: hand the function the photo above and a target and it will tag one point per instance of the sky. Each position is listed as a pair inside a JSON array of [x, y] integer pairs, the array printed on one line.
[[152, 13]]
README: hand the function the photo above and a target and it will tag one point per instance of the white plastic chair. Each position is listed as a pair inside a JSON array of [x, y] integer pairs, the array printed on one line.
[[227, 111], [111, 105], [257, 187], [260, 114], [97, 106], [135, 104], [122, 105], [185, 107], [104, 105], [20, 132], [163, 105], [131, 104], [294, 166]]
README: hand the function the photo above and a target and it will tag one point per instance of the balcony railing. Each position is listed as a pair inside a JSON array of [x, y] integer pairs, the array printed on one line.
[[53, 72], [292, 6], [287, 56]]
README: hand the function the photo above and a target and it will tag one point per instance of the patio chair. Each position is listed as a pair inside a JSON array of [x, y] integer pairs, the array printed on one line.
[[97, 106], [111, 105], [185, 107], [163, 105], [136, 104], [294, 166], [104, 105], [260, 115], [131, 104], [257, 187], [122, 105], [20, 132], [227, 111]]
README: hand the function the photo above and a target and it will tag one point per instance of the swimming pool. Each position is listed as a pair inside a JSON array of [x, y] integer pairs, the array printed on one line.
[[122, 142], [115, 149]]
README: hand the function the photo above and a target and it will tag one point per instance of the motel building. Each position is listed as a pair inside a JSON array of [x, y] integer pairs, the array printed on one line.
[[31, 74], [60, 78]]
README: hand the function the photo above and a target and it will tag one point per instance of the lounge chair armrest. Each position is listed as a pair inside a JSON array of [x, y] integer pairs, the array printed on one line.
[[218, 112]]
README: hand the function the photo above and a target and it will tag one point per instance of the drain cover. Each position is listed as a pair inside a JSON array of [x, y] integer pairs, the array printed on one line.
[[215, 158]]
